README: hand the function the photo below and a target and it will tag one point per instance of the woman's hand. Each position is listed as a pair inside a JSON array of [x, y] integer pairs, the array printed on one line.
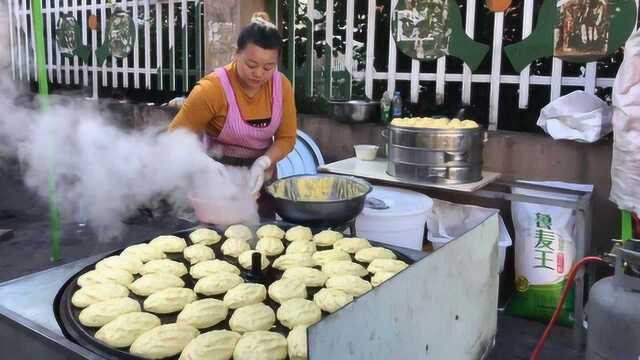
[[256, 173]]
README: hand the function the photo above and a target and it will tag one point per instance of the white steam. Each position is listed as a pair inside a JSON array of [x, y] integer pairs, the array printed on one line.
[[103, 173]]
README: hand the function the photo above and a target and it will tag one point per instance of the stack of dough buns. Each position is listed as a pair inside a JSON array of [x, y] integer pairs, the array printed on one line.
[[190, 297], [434, 123]]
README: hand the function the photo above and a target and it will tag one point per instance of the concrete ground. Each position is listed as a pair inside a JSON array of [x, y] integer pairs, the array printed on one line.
[[28, 251]]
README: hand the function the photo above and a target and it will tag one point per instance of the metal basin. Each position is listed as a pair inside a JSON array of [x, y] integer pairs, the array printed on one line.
[[354, 111], [321, 200]]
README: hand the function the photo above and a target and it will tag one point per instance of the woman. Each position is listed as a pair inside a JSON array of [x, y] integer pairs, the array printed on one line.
[[245, 110]]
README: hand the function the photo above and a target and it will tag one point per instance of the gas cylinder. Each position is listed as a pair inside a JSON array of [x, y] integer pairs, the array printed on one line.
[[613, 311]]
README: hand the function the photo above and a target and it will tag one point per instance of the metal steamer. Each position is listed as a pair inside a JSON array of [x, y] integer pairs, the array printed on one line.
[[439, 156]]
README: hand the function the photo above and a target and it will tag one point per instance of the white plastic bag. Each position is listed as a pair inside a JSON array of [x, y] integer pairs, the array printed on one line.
[[625, 165], [447, 221], [578, 116]]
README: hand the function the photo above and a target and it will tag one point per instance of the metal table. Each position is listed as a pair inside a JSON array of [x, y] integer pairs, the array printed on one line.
[[493, 186], [414, 311]]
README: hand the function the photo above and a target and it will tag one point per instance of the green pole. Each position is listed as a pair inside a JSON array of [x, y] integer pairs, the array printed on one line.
[[627, 226], [43, 88], [43, 91]]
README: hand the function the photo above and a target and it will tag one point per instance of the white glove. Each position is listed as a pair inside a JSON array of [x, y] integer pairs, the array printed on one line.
[[256, 173], [176, 102]]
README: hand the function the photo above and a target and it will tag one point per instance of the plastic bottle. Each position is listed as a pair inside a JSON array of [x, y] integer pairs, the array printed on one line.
[[385, 105], [396, 105]]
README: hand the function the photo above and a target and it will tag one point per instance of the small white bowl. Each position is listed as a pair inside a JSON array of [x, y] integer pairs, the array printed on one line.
[[366, 152]]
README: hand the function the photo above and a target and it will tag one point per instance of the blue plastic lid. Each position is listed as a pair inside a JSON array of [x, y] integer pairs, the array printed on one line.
[[303, 159]]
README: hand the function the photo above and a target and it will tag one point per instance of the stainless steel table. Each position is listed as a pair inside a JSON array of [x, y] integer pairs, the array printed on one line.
[[493, 186]]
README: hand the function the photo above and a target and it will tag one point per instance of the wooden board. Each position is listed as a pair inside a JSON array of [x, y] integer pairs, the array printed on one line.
[[430, 29], [576, 31]]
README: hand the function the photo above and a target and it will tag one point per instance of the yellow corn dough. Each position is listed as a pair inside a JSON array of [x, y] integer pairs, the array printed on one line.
[[211, 267], [127, 263], [252, 317], [310, 277], [154, 282], [239, 231], [327, 237], [144, 252], [198, 253], [297, 312], [165, 266], [218, 283], [270, 246], [270, 230], [212, 345], [245, 294], [99, 314], [169, 243], [380, 277], [125, 329], [234, 247], [163, 341], [101, 276], [297, 341], [203, 313], [322, 257], [344, 267], [301, 247], [293, 260], [386, 265], [299, 233], [261, 345], [369, 254], [92, 294], [204, 236], [169, 300], [286, 289], [351, 245], [330, 300], [350, 284]]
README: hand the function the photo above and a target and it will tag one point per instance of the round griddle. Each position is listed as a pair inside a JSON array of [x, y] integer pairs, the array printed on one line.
[[67, 314]]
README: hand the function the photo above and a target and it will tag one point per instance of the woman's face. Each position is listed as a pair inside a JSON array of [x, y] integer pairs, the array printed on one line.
[[256, 65]]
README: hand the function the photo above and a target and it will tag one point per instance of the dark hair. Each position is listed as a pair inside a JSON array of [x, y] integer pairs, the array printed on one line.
[[261, 33]]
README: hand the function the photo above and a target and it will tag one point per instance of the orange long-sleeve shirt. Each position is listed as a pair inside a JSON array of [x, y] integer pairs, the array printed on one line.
[[205, 109]]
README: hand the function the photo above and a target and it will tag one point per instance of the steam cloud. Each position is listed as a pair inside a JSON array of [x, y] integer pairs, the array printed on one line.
[[103, 173]]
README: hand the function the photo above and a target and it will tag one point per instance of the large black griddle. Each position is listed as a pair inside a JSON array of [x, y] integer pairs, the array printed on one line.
[[67, 315]]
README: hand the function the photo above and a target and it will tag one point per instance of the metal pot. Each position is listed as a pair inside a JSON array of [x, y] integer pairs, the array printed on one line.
[[344, 202], [354, 111]]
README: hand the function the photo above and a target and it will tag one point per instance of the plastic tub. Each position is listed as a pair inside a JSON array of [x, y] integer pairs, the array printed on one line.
[[366, 152], [401, 224]]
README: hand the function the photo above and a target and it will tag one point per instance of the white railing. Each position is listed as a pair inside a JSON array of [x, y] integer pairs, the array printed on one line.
[[588, 79], [146, 67]]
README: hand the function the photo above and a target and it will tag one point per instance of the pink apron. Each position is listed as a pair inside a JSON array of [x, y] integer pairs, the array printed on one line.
[[238, 139]]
